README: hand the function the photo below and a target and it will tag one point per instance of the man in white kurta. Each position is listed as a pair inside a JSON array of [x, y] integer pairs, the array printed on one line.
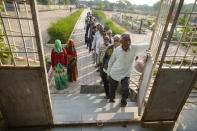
[[120, 66], [96, 40], [109, 33]]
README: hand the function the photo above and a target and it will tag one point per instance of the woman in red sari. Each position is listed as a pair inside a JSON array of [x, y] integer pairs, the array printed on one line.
[[59, 62], [72, 60]]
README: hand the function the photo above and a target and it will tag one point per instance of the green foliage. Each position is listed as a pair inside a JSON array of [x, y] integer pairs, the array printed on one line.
[[186, 62], [3, 46], [155, 71], [74, 2], [4, 57], [106, 5], [174, 61], [62, 29], [127, 6], [156, 6], [1, 6], [150, 22], [194, 50], [182, 21], [67, 2], [187, 35], [106, 22], [45, 2], [46, 59], [62, 2]]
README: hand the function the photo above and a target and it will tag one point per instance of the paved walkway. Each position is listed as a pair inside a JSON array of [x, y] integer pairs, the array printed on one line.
[[87, 74]]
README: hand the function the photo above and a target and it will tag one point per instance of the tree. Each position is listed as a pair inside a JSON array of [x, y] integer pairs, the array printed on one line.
[[61, 2], [156, 6], [128, 5], [101, 4], [112, 5], [120, 4], [106, 4], [74, 2], [67, 2], [45, 2]]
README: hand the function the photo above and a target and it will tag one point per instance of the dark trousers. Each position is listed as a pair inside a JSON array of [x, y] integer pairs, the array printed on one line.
[[90, 44], [86, 34], [125, 89], [101, 70], [86, 38], [106, 83]]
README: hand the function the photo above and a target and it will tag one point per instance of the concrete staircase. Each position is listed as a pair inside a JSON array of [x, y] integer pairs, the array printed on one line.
[[90, 108]]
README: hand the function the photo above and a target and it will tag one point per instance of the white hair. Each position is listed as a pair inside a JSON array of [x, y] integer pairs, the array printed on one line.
[[124, 35], [117, 36], [109, 31], [96, 24], [106, 37]]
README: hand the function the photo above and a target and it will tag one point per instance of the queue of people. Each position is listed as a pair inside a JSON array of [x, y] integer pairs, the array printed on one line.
[[114, 57]]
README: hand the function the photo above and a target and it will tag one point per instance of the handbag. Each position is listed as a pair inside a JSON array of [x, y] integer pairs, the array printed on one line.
[[139, 66]]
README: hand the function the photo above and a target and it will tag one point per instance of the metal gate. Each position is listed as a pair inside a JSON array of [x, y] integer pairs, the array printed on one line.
[[172, 61], [157, 39], [24, 91]]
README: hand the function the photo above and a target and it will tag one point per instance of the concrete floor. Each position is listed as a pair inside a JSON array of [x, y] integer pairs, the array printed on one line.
[[186, 122]]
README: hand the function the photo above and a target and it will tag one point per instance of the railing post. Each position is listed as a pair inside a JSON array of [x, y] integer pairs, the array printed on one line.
[[46, 92]]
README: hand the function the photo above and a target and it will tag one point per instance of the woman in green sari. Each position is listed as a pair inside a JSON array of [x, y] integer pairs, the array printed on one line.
[[59, 62]]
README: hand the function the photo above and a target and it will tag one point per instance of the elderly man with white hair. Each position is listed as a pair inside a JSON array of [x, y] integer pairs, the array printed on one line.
[[106, 58], [120, 66]]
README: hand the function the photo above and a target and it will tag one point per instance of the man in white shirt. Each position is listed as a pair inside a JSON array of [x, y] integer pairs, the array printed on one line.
[[106, 58], [120, 66], [97, 37], [99, 44], [109, 33], [102, 48]]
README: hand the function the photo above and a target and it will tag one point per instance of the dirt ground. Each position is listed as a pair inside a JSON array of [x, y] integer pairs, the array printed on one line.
[[135, 38]]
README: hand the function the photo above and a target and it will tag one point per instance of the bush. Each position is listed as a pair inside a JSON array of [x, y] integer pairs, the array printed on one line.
[[186, 62], [62, 29], [150, 22], [106, 22]]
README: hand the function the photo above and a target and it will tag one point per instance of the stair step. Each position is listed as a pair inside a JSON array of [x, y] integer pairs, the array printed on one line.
[[110, 116], [97, 104], [89, 107], [88, 117]]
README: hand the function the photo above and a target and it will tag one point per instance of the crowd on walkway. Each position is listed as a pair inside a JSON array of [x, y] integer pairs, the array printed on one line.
[[113, 56]]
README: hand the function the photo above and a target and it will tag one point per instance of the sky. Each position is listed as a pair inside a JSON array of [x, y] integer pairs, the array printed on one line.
[[149, 2]]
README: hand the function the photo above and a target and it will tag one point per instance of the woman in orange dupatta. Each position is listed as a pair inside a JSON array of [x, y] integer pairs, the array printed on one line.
[[72, 60]]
